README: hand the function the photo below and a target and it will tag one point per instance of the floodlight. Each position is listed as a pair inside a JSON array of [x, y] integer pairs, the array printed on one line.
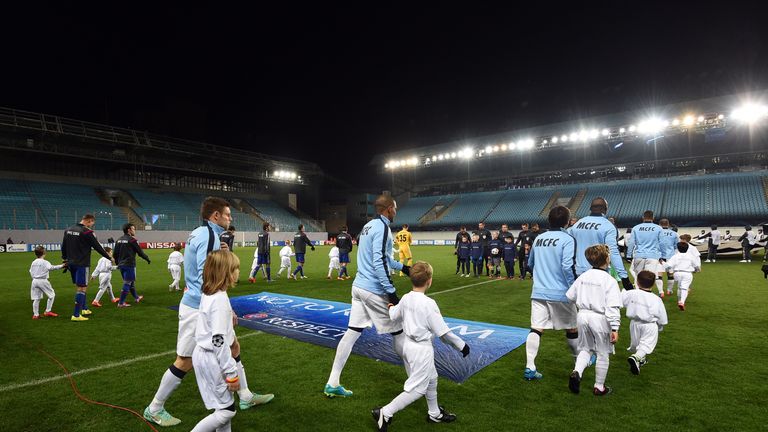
[[386, 165], [700, 119], [495, 148], [440, 157], [593, 133], [606, 132], [564, 138], [583, 135], [632, 128], [675, 122], [750, 113], [453, 155], [720, 117], [434, 158], [503, 146], [512, 146], [545, 142], [554, 140], [622, 130], [688, 120], [574, 136], [488, 149]]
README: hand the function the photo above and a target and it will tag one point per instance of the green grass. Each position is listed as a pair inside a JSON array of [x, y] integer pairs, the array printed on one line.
[[708, 373]]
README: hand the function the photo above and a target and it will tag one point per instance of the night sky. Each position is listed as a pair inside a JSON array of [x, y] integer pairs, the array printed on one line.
[[337, 85]]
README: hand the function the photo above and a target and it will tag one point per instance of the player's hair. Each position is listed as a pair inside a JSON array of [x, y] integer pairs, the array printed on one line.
[[177, 247], [525, 225], [287, 242], [475, 235], [88, 216], [463, 228], [383, 202], [536, 225], [343, 228], [713, 227], [664, 222], [682, 247], [301, 227], [108, 249], [39, 251], [481, 223], [421, 273], [212, 205], [685, 237], [220, 272], [558, 217], [265, 226], [127, 226], [405, 226], [505, 225], [509, 238], [231, 228], [645, 279], [648, 214], [597, 255], [599, 205]]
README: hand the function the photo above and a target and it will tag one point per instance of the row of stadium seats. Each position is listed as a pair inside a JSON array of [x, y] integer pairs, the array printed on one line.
[[721, 197], [46, 205]]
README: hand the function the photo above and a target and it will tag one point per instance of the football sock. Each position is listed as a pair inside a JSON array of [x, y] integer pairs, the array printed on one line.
[[301, 269], [432, 407], [269, 273], [582, 361], [244, 392], [329, 272], [298, 269], [49, 305], [170, 381], [83, 303], [401, 401], [532, 349], [78, 303], [601, 371], [573, 342], [670, 284], [124, 294], [683, 294], [659, 285], [36, 307], [133, 292], [219, 421], [343, 350]]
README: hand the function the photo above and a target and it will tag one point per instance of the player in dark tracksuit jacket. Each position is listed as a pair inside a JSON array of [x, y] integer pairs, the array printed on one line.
[[228, 237], [510, 251], [344, 243], [264, 246], [462, 233], [76, 252], [520, 243], [126, 249], [300, 243], [463, 252]]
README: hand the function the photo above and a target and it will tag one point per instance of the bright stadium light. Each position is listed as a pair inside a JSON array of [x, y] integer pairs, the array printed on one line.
[[512, 146], [386, 165], [488, 149], [495, 148], [574, 136], [545, 142], [700, 119], [632, 128], [503, 146], [564, 138], [447, 155], [688, 120], [453, 155], [652, 125], [434, 158], [293, 176], [467, 153], [606, 132], [403, 162], [675, 122], [750, 113], [622, 130], [414, 161], [721, 116], [554, 140], [593, 133], [441, 157], [583, 135]]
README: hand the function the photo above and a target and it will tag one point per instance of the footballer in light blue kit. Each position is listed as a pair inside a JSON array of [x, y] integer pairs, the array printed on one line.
[[553, 263], [668, 245], [645, 245]]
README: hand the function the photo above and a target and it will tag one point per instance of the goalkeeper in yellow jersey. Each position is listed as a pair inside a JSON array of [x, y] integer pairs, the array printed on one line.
[[403, 240]]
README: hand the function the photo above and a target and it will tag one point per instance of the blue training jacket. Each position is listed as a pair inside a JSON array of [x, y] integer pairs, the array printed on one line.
[[592, 230], [463, 249], [195, 254], [374, 257], [552, 261], [645, 241], [476, 250], [668, 243]]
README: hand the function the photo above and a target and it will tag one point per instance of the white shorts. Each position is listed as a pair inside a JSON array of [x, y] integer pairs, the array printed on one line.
[[185, 342], [175, 271], [334, 264], [648, 264], [594, 333], [684, 280], [644, 336], [285, 262], [40, 287], [550, 315], [210, 380], [369, 309], [419, 362]]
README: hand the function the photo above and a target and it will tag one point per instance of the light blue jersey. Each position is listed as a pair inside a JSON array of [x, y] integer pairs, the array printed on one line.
[[592, 230], [195, 254], [669, 241], [552, 261], [374, 257], [646, 241]]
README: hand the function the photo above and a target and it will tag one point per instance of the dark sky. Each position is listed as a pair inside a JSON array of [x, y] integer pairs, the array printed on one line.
[[339, 84]]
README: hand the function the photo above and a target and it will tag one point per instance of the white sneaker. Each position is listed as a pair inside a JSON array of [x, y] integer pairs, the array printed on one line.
[[304, 277], [743, 261], [707, 261]]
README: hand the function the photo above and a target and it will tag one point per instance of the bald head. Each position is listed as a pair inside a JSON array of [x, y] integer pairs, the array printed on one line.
[[599, 205], [386, 206]]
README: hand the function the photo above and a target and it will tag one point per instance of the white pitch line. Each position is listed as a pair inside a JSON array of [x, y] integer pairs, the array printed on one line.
[[462, 287], [99, 368]]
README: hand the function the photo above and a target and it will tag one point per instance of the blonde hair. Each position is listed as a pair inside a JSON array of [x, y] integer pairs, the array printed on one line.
[[221, 271], [597, 255], [421, 272]]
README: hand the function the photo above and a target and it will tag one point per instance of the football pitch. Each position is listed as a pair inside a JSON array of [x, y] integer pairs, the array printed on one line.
[[708, 373]]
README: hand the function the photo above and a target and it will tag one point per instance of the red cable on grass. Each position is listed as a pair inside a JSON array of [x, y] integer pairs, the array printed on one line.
[[74, 386]]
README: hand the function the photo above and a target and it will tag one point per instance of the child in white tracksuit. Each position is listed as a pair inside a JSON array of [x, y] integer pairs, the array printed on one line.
[[103, 271], [333, 263], [682, 266], [648, 315], [597, 297], [215, 368], [421, 320], [40, 285], [285, 259], [175, 262]]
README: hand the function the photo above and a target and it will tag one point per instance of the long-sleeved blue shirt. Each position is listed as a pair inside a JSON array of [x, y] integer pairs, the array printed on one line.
[[668, 243], [374, 257], [463, 249], [645, 241], [195, 254], [510, 251], [552, 261], [592, 230], [476, 250]]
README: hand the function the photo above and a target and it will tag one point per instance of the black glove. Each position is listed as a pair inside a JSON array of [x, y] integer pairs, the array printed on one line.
[[393, 298], [148, 261], [406, 270], [626, 284], [465, 350], [313, 248]]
